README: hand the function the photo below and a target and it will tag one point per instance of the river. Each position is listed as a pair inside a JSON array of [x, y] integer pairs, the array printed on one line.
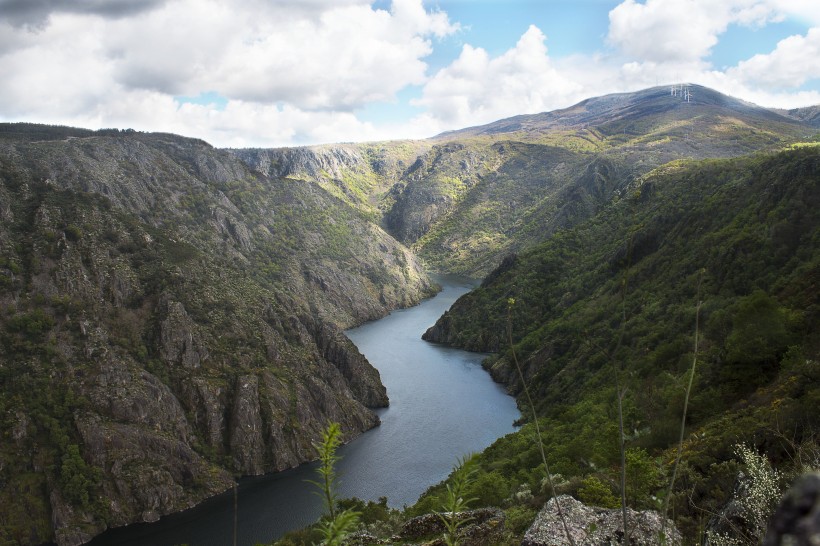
[[442, 405]]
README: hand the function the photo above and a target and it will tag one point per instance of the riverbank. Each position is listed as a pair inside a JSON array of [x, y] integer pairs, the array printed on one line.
[[442, 405]]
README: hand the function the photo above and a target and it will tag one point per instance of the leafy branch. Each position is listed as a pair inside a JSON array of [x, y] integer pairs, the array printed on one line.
[[338, 525], [455, 502]]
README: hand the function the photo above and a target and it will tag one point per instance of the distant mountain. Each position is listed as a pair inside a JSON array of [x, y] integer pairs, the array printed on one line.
[[466, 199], [681, 101], [169, 319], [809, 115]]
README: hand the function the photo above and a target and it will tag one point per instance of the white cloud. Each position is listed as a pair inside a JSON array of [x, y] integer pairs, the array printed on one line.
[[682, 30], [289, 61], [794, 61], [63, 75], [477, 89], [296, 71]]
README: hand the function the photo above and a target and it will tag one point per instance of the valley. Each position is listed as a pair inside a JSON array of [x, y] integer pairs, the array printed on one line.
[[172, 313]]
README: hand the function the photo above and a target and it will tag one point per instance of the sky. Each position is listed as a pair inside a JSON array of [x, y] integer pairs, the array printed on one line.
[[269, 73]]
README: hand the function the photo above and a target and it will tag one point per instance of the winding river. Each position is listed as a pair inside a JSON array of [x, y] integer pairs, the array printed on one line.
[[442, 406]]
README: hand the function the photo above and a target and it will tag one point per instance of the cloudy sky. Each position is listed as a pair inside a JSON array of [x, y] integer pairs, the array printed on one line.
[[291, 72]]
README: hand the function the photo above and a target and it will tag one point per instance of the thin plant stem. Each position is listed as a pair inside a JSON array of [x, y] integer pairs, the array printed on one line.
[[685, 409], [622, 445], [510, 303], [621, 392], [235, 512]]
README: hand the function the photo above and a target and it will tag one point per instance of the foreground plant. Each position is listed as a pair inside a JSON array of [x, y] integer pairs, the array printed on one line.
[[757, 503], [682, 431], [338, 524], [455, 503]]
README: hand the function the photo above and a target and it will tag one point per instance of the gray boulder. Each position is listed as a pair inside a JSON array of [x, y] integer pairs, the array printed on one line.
[[797, 520], [593, 526]]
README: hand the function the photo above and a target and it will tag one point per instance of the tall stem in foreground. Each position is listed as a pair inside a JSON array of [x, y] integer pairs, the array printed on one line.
[[620, 395], [339, 524], [622, 446], [510, 303], [685, 409]]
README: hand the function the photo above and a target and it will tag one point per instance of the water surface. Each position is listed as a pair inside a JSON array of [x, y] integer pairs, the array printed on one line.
[[442, 405]]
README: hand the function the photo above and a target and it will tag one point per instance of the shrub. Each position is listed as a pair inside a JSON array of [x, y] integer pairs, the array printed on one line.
[[596, 493], [757, 501], [73, 232]]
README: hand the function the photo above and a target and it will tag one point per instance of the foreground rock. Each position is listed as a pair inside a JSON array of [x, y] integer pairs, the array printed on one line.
[[797, 519], [482, 527], [592, 526]]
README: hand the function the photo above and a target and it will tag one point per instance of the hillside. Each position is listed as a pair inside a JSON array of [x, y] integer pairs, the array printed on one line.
[[171, 314], [466, 199], [170, 319], [613, 301]]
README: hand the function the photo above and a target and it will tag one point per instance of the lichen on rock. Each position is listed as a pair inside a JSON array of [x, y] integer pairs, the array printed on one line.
[[592, 526]]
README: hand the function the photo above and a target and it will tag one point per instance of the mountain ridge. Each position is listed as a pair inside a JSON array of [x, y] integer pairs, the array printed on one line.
[[443, 196], [594, 110], [170, 319], [179, 307]]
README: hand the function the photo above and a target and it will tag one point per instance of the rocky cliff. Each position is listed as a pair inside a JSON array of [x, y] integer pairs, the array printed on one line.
[[466, 199], [169, 320]]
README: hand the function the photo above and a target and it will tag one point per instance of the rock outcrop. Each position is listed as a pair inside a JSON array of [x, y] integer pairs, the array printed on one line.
[[797, 519], [170, 319], [591, 526]]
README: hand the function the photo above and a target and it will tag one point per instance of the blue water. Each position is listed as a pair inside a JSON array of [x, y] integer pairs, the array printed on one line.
[[442, 405]]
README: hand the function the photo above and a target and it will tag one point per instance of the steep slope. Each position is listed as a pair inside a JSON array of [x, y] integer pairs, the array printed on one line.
[[169, 319], [359, 174], [549, 171], [809, 115], [466, 199], [612, 301]]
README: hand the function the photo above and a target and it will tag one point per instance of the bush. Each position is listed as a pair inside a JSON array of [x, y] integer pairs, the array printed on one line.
[[73, 233], [32, 324], [757, 501], [596, 493]]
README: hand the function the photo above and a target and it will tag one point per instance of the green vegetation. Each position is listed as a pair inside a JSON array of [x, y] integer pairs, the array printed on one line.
[[338, 524], [455, 501], [156, 295], [746, 232]]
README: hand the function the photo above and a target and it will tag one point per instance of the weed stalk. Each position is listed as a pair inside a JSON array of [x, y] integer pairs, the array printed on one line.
[[510, 303], [685, 409]]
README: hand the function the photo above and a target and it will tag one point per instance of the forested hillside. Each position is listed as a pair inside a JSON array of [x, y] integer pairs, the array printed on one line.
[[728, 250], [466, 199]]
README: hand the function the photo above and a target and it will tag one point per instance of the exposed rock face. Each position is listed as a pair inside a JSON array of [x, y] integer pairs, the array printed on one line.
[[177, 345], [364, 379], [309, 161], [797, 520], [591, 526], [170, 319]]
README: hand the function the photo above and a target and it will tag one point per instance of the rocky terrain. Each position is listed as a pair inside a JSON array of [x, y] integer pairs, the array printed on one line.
[[591, 526], [172, 320], [466, 199], [171, 314]]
